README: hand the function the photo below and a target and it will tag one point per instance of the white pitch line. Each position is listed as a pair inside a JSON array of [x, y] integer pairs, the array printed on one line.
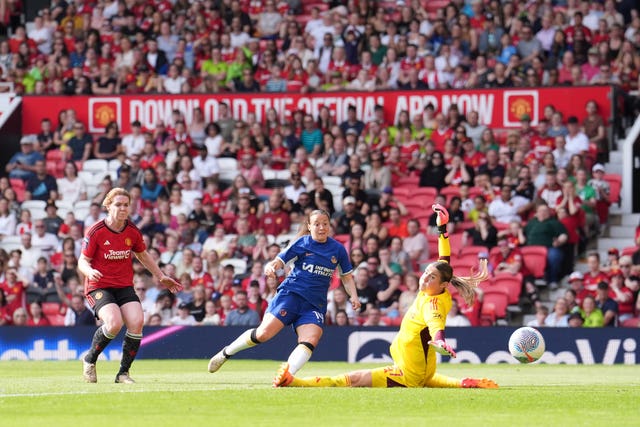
[[102, 391]]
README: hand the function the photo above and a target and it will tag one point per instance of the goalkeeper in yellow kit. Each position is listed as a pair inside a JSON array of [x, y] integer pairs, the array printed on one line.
[[421, 333]]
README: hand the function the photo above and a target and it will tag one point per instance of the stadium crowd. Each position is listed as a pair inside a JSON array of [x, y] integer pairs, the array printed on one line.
[[216, 201]]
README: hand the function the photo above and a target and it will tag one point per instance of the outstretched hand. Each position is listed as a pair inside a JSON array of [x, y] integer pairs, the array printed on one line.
[[443, 348], [442, 214], [172, 284], [355, 302]]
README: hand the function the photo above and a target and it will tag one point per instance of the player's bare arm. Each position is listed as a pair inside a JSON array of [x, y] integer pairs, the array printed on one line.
[[84, 265], [170, 283]]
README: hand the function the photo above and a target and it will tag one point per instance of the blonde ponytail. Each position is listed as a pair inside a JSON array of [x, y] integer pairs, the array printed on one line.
[[467, 285]]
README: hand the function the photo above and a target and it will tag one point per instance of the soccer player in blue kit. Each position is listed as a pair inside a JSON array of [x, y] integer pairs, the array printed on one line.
[[301, 300]]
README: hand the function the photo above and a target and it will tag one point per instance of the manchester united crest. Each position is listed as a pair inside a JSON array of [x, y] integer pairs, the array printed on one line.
[[334, 260], [127, 241], [99, 295]]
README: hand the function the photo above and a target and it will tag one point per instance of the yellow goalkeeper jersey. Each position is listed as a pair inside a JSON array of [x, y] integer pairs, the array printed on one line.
[[409, 349]]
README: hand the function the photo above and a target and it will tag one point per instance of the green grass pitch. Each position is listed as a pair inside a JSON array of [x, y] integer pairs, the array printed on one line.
[[181, 393]]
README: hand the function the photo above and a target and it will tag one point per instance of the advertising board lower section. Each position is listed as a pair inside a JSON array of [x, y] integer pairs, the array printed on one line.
[[606, 346]]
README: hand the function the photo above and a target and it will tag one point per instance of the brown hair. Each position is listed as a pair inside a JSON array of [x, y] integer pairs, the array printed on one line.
[[304, 227], [465, 285], [108, 199]]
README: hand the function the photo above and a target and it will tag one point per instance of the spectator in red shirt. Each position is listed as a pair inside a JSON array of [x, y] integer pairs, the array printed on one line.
[[594, 275], [577, 26], [200, 277], [276, 221], [576, 282], [622, 295], [14, 291], [37, 317]]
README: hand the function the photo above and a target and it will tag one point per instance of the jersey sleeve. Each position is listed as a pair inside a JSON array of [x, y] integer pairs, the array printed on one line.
[[344, 263], [292, 251], [138, 245], [89, 247]]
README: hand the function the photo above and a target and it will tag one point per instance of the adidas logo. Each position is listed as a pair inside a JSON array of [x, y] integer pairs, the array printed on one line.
[[107, 243]]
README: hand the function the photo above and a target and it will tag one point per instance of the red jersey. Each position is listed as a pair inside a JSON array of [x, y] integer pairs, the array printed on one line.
[[474, 160], [275, 223], [626, 307], [514, 256], [203, 279], [279, 153], [542, 145], [439, 137], [111, 253], [16, 289], [591, 280]]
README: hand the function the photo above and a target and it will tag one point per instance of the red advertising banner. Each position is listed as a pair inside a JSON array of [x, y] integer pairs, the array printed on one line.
[[497, 108]]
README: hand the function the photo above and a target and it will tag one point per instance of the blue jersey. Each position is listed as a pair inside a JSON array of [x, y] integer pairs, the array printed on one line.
[[314, 264]]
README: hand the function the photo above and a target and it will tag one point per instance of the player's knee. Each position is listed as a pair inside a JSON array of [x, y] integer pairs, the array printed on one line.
[[113, 326], [257, 337], [310, 346]]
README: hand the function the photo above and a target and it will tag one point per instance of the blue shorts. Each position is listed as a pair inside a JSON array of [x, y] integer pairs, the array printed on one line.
[[292, 309]]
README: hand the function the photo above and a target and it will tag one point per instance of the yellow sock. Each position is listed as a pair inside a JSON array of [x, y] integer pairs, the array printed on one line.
[[442, 381], [337, 381]]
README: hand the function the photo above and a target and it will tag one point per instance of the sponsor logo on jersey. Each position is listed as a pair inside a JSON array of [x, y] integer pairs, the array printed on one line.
[[107, 243], [116, 255], [283, 313], [99, 295]]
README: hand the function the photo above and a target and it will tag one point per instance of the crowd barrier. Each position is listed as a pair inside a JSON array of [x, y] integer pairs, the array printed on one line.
[[497, 108], [474, 345]]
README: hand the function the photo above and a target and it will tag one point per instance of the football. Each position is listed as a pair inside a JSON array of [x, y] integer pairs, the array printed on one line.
[[526, 345]]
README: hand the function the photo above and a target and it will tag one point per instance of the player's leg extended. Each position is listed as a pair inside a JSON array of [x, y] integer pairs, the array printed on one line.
[[308, 338], [284, 378], [269, 327], [443, 381], [134, 320], [110, 315], [389, 376]]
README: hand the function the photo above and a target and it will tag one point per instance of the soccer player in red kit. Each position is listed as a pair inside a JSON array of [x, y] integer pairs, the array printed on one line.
[[106, 263]]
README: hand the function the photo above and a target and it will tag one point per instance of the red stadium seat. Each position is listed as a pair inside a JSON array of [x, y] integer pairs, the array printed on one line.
[[512, 283], [433, 245], [494, 305], [426, 195], [19, 187], [465, 265], [535, 259], [342, 238], [408, 181], [615, 184], [472, 250], [629, 250], [449, 192], [634, 322]]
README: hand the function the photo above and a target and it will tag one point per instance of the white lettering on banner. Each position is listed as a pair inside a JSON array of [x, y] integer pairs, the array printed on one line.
[[358, 352], [466, 103], [365, 106], [61, 351], [482, 103], [261, 105], [152, 111]]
